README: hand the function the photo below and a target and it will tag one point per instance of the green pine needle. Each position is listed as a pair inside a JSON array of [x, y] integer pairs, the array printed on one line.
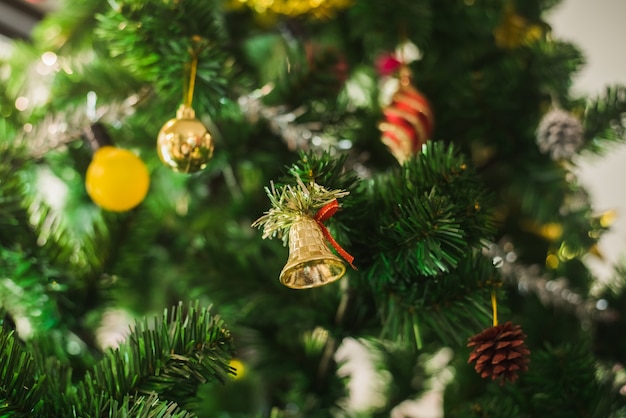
[[451, 306], [604, 119], [146, 407], [170, 356], [20, 390], [427, 217], [574, 389], [292, 203]]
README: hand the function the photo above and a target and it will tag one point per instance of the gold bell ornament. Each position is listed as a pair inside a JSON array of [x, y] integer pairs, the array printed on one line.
[[301, 212], [310, 262], [184, 144]]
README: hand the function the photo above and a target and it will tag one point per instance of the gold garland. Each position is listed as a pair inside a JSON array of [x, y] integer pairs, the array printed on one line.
[[515, 30], [319, 9]]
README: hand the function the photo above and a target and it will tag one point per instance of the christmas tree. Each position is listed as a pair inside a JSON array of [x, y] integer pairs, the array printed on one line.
[[213, 208]]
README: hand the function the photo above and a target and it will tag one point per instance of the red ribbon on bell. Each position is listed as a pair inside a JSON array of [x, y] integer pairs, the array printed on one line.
[[325, 213]]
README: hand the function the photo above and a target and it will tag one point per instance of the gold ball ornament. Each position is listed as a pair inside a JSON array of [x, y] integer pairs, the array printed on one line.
[[184, 144], [116, 179]]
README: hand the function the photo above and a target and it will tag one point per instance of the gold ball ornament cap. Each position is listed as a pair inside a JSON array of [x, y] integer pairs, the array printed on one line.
[[311, 263], [116, 179], [184, 144]]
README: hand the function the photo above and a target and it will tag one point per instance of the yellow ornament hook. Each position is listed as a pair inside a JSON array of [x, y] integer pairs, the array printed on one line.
[[494, 307]]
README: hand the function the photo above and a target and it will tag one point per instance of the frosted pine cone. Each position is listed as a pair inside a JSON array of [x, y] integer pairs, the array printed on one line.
[[560, 134], [499, 352]]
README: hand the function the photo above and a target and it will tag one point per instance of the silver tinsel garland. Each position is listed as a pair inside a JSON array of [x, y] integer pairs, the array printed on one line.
[[550, 291]]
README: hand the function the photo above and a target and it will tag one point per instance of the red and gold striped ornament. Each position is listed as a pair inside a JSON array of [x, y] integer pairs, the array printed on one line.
[[408, 120]]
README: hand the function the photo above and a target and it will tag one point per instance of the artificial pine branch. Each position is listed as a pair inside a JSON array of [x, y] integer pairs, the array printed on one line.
[[133, 33], [25, 291], [117, 92], [322, 168], [553, 62], [159, 367], [289, 204], [370, 22], [604, 119], [609, 343], [428, 215], [132, 406], [170, 356], [449, 307], [69, 29], [20, 387], [14, 223], [563, 384], [147, 407]]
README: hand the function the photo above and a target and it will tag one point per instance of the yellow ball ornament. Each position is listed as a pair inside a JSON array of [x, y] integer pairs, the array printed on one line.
[[184, 144], [116, 180], [238, 367]]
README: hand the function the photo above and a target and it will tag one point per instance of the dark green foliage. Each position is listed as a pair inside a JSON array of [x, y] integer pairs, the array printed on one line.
[[71, 31], [444, 305], [96, 76], [409, 374], [576, 390], [492, 405], [427, 215], [13, 216], [551, 62], [26, 289], [609, 342], [324, 170], [379, 24], [604, 118]]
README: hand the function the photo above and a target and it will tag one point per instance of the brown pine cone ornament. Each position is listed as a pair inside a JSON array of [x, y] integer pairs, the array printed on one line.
[[499, 352]]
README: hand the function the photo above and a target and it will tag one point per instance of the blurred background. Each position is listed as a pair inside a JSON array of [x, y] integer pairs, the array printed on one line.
[[596, 27]]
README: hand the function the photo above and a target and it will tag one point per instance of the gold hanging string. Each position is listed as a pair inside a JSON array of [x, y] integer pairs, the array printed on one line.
[[192, 79], [193, 70], [494, 306]]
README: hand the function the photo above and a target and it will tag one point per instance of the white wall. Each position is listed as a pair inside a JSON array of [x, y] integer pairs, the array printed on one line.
[[597, 28]]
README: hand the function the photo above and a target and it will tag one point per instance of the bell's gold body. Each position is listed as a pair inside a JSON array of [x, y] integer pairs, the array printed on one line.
[[311, 263], [184, 143]]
